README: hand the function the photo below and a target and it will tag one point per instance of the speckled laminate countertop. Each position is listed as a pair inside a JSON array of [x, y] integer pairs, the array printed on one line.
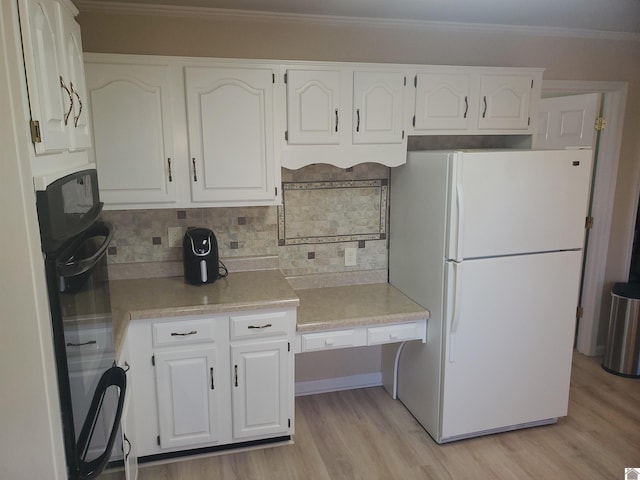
[[355, 305], [318, 308], [171, 297]]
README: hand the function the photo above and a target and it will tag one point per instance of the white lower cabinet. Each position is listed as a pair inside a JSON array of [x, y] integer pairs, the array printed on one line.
[[204, 381], [187, 406], [260, 392]]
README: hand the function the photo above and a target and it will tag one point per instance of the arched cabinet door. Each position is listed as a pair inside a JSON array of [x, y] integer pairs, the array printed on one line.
[[505, 102], [442, 101], [132, 103], [230, 127], [377, 107], [78, 131], [49, 101], [313, 107]]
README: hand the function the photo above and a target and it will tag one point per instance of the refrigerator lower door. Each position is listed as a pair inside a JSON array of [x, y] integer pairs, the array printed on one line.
[[508, 342]]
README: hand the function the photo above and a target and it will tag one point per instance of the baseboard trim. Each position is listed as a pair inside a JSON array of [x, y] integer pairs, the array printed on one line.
[[337, 384]]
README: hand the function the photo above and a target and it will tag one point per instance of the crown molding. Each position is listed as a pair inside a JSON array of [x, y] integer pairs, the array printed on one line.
[[97, 6]]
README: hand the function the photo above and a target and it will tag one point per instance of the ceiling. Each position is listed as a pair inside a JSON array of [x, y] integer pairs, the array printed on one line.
[[618, 16]]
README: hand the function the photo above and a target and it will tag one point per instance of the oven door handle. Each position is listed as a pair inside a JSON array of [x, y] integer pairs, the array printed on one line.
[[77, 267], [117, 377]]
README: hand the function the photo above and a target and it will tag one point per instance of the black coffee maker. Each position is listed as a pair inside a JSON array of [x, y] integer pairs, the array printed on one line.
[[200, 256]]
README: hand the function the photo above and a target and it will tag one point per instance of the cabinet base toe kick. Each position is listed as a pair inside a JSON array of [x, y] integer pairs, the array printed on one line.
[[215, 449]]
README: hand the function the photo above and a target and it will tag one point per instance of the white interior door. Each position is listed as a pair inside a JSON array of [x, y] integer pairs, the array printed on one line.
[[509, 341], [567, 121]]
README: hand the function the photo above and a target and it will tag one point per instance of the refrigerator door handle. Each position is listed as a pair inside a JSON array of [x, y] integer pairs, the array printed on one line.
[[460, 221], [457, 299]]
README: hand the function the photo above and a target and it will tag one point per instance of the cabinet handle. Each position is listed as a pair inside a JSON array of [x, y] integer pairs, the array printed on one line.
[[126, 455], [466, 106], [66, 115], [211, 376], [127, 367], [90, 342], [235, 370], [177, 334], [266, 325], [77, 117], [358, 120], [484, 112], [195, 175], [336, 119], [169, 163]]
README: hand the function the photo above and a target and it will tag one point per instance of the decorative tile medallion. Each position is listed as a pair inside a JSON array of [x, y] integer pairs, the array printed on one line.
[[333, 211]]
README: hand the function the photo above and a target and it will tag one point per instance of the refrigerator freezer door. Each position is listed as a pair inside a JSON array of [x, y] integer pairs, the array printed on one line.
[[506, 203], [507, 357]]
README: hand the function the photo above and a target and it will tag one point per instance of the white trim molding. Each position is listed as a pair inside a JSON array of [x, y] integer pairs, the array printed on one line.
[[351, 382], [97, 6]]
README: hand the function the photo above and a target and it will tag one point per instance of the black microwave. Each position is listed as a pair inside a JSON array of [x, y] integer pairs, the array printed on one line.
[[67, 207]]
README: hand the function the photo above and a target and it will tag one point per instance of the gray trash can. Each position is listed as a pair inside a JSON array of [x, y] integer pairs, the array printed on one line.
[[622, 355]]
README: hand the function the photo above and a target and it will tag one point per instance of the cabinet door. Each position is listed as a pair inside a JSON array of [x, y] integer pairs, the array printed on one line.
[[71, 53], [377, 107], [505, 102], [187, 397], [132, 104], [313, 107], [442, 101], [260, 393], [230, 117], [40, 41]]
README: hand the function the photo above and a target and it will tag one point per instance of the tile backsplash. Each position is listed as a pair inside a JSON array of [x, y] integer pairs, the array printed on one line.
[[142, 235]]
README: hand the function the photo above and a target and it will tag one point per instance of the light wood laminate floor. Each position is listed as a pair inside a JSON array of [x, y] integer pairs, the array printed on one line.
[[364, 434]]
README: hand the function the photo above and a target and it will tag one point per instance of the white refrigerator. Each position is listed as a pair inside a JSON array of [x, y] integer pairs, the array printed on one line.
[[490, 242]]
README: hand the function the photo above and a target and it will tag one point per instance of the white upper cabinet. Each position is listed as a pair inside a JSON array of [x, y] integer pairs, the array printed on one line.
[[506, 101], [231, 134], [475, 100], [378, 107], [343, 115], [132, 103], [78, 130], [52, 51], [313, 107], [40, 43], [442, 101]]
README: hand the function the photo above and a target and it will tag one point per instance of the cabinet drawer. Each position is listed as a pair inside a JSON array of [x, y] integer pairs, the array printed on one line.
[[183, 332], [260, 325], [87, 341], [329, 340], [392, 333]]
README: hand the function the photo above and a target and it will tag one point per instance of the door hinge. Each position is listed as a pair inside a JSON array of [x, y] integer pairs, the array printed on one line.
[[531, 83], [414, 121], [415, 81], [402, 134], [153, 360], [529, 122], [579, 312], [285, 78], [588, 222], [158, 439], [35, 131], [288, 346], [286, 135], [289, 423], [601, 123], [405, 81], [273, 78], [276, 191]]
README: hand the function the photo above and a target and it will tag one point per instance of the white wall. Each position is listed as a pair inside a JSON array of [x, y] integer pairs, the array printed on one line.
[[30, 431]]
